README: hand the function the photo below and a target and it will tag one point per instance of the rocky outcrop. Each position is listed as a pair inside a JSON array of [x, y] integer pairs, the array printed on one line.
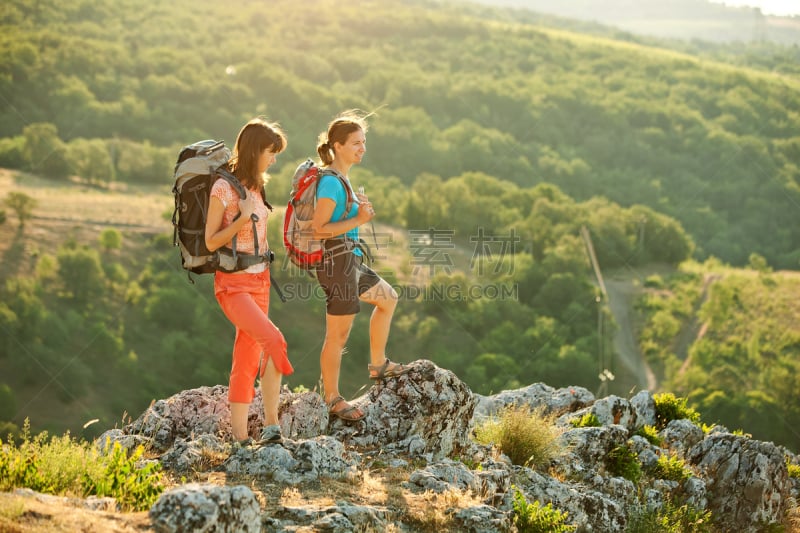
[[425, 419], [195, 507], [747, 480]]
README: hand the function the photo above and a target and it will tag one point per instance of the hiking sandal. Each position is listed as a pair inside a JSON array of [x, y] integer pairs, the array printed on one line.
[[384, 372], [346, 413]]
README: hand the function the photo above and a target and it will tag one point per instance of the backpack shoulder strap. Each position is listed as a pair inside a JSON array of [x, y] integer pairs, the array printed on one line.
[[264, 197], [233, 180], [348, 191]]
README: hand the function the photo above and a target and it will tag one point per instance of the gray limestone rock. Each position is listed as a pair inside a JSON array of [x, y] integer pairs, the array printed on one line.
[[207, 508], [746, 480]]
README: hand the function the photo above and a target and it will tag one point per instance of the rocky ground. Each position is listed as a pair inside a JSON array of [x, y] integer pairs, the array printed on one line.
[[412, 465]]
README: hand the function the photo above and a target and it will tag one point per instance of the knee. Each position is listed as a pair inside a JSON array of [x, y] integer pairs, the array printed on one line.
[[389, 300], [336, 339]]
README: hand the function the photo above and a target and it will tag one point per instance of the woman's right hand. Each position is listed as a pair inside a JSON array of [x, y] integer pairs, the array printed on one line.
[[246, 205], [365, 212]]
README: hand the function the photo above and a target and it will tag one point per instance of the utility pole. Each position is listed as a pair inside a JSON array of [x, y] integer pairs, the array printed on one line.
[[604, 374]]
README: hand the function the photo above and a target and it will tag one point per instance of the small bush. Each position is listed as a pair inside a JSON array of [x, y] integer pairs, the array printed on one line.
[[136, 488], [588, 420], [670, 467], [535, 518], [651, 434], [528, 438], [63, 466], [794, 470], [707, 428], [622, 461], [654, 281], [669, 408], [670, 519]]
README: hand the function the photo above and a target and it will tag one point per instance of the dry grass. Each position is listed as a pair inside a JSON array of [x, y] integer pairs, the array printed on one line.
[[67, 210], [793, 515], [378, 488], [432, 511], [20, 514], [528, 437]]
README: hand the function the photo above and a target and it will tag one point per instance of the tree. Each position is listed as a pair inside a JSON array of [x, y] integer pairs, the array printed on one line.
[[44, 151], [82, 274], [22, 204], [110, 239], [91, 160]]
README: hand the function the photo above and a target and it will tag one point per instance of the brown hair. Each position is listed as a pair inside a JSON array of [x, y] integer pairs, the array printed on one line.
[[254, 137], [338, 130]]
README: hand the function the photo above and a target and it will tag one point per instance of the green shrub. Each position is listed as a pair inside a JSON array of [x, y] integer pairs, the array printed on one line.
[[622, 461], [670, 519], [669, 408], [528, 438], [21, 470], [61, 465], [535, 518], [670, 467], [654, 281], [136, 488], [707, 428], [588, 420], [651, 434], [10, 430], [794, 470]]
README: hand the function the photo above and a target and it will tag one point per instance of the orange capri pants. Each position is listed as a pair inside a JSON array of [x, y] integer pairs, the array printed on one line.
[[244, 298]]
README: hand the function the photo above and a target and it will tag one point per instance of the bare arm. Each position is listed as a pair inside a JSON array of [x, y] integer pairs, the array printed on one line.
[[216, 235], [325, 229]]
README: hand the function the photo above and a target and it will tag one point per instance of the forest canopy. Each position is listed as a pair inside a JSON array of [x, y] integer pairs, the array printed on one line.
[[490, 128], [110, 90]]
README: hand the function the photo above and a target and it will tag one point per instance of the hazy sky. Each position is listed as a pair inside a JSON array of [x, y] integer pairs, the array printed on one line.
[[768, 7]]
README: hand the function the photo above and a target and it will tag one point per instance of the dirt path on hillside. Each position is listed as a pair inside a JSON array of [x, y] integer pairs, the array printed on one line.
[[695, 330], [621, 295]]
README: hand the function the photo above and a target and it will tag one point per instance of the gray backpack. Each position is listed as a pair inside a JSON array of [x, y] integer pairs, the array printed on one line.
[[199, 165]]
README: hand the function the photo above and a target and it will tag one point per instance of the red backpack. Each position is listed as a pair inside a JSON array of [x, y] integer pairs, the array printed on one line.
[[302, 248]]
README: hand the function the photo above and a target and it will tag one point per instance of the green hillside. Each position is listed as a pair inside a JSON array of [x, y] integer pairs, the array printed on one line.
[[496, 139], [729, 339], [713, 146]]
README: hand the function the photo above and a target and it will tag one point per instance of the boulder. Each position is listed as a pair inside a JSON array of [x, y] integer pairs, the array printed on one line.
[[747, 482], [203, 507], [429, 402]]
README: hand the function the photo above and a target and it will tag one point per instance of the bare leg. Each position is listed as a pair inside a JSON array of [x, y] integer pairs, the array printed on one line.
[[337, 330], [384, 298], [270, 392], [239, 420]]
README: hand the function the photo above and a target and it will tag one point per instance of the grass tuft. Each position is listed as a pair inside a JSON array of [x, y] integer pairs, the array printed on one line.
[[537, 518], [528, 438], [669, 407], [588, 420], [670, 518], [622, 461]]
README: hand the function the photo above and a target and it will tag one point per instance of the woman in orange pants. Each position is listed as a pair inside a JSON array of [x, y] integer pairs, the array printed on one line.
[[243, 295]]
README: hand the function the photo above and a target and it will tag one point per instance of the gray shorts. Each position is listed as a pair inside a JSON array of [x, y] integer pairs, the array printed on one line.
[[344, 279]]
